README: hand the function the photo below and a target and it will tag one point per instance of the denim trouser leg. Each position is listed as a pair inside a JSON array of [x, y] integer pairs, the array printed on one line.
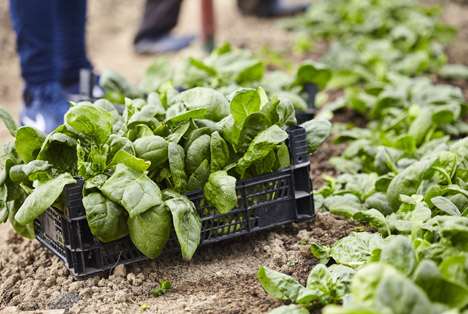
[[33, 22], [71, 41]]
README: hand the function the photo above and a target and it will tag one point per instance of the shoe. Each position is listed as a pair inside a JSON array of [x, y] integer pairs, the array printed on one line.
[[85, 88], [277, 9], [44, 107], [162, 44]]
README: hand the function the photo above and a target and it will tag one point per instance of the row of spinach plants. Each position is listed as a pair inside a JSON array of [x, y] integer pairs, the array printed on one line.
[[405, 173]]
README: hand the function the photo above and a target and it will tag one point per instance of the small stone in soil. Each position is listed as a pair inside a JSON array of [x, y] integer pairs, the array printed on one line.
[[63, 301]]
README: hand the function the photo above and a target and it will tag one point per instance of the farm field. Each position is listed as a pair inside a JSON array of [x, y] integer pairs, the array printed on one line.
[[220, 278]]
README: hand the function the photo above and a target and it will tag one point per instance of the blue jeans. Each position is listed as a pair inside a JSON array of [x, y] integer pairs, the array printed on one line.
[[50, 40]]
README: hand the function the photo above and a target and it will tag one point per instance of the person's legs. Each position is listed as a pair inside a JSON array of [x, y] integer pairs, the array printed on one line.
[[44, 102], [159, 18], [70, 39], [33, 22]]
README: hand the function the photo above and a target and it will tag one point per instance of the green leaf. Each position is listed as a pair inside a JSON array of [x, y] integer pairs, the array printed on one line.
[[216, 105], [253, 125], [290, 309], [150, 230], [176, 155], [152, 148], [244, 103], [355, 249], [398, 251], [133, 190], [317, 131], [261, 146], [284, 287], [445, 205], [312, 73], [194, 114], [187, 224], [42, 198], [197, 152], [456, 71], [219, 152], [379, 285], [198, 179], [159, 72], [373, 217], [220, 191], [178, 132], [379, 201], [28, 143], [26, 230], [408, 181], [9, 121], [90, 120], [320, 251], [106, 219], [122, 157], [429, 278]]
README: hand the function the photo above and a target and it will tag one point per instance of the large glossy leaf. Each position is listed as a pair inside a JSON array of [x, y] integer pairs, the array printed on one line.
[[133, 190]]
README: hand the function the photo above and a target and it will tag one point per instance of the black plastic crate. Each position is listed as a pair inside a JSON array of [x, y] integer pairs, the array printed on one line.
[[265, 201]]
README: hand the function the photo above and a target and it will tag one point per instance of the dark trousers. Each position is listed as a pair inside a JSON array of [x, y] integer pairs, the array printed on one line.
[[50, 39], [160, 16]]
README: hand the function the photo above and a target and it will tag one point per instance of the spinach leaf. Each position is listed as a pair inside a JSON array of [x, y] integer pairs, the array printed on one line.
[[8, 121], [355, 249], [253, 125], [176, 155], [122, 157], [201, 97], [261, 146], [378, 285], [429, 278], [106, 219], [26, 230], [152, 148], [187, 223], [317, 131], [117, 143], [198, 151], [219, 152], [244, 102], [59, 149], [198, 179], [29, 142], [159, 72], [284, 287], [90, 120], [445, 205], [133, 190], [42, 198], [150, 230], [408, 181], [220, 191]]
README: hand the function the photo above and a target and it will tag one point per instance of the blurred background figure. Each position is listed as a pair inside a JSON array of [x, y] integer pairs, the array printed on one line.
[[160, 17], [50, 41]]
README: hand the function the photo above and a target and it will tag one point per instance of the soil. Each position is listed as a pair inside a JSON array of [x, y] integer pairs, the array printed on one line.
[[221, 278]]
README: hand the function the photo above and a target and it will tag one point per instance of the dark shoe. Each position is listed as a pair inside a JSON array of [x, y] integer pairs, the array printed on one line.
[[279, 9], [275, 9], [162, 44], [44, 107]]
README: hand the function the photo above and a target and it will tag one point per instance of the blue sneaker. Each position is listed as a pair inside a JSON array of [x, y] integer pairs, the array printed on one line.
[[44, 107]]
